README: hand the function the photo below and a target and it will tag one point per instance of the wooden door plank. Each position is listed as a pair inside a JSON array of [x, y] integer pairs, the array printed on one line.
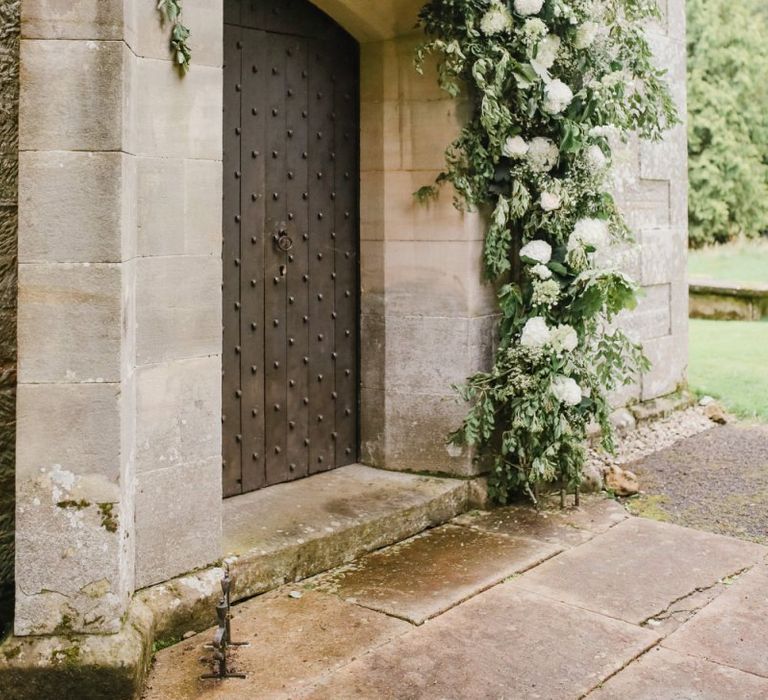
[[231, 422], [252, 266]]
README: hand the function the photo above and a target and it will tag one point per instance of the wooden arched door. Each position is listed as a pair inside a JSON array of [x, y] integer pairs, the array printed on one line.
[[290, 292]]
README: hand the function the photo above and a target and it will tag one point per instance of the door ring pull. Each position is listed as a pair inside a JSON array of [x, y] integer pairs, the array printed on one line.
[[283, 241]]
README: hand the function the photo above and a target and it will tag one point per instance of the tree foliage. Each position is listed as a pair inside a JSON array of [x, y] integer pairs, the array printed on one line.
[[728, 119]]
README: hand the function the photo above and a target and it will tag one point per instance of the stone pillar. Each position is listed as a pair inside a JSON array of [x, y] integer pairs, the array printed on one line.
[[118, 470], [74, 469], [427, 316]]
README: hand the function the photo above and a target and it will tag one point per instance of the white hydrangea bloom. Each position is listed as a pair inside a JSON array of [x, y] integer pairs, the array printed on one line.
[[604, 131], [528, 7], [596, 159], [541, 271], [564, 338], [586, 35], [557, 97], [549, 47], [589, 232], [550, 201], [496, 20], [535, 333], [566, 390], [543, 154], [515, 147], [537, 250], [533, 30]]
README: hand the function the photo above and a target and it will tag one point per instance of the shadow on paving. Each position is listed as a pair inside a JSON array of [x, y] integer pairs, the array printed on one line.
[[505, 604], [715, 481]]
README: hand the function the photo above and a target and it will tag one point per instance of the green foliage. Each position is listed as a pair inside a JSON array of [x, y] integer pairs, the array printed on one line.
[[728, 127], [171, 13], [551, 92]]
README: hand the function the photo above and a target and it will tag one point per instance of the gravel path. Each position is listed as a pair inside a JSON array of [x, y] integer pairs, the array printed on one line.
[[715, 480]]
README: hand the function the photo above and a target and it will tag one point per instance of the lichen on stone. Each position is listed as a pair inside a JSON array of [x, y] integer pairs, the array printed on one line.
[[109, 519]]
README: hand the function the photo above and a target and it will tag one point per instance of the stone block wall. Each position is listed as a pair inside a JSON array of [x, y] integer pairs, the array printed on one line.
[[651, 184], [9, 99]]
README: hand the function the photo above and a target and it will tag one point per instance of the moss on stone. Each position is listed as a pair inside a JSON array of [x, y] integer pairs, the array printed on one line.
[[69, 656], [108, 517], [77, 505], [650, 507]]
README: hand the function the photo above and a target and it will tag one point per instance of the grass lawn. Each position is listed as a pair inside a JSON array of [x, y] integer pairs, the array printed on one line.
[[729, 360], [743, 261]]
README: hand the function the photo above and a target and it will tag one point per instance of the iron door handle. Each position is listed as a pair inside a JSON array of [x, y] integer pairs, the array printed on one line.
[[283, 241]]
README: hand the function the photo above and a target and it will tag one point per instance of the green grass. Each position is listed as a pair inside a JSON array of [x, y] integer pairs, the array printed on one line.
[[743, 261], [729, 360]]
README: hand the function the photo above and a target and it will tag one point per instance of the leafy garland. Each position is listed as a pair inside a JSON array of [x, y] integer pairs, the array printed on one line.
[[554, 84], [170, 10]]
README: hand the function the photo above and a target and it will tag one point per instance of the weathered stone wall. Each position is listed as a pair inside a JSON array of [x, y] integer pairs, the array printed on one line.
[[652, 190], [9, 99]]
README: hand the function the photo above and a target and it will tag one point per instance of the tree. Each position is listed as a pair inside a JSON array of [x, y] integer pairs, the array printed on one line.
[[728, 119]]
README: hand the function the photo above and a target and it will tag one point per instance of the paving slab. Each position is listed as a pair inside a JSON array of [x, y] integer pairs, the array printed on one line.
[[504, 643], [294, 641], [662, 674], [733, 630], [430, 573], [565, 528], [638, 568]]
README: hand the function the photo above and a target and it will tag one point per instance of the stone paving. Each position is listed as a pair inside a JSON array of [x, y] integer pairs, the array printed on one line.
[[508, 604]]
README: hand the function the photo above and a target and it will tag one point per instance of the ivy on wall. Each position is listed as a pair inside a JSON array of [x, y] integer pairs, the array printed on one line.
[[170, 11], [554, 84]]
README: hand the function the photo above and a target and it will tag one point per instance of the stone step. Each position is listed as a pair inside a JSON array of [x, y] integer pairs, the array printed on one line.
[[290, 532]]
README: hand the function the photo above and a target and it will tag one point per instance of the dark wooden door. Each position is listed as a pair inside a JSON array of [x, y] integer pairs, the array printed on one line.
[[290, 293]]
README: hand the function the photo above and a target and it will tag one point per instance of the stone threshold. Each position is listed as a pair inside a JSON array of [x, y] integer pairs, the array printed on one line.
[[281, 534]]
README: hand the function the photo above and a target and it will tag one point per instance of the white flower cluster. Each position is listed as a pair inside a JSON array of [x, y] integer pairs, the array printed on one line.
[[537, 334], [528, 7], [545, 293], [515, 147], [537, 250], [557, 97], [497, 20], [543, 154], [566, 390], [589, 233], [550, 201], [546, 53], [596, 159], [586, 35]]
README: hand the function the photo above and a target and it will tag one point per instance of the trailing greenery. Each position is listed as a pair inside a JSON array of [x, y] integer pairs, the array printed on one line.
[[728, 128], [554, 84], [171, 13]]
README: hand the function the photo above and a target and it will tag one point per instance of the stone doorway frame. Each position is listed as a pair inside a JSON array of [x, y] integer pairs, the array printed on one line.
[[119, 445]]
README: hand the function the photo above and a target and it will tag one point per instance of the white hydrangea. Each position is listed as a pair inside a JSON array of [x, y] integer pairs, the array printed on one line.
[[515, 147], [535, 333], [533, 30], [496, 20], [550, 201], [528, 7], [566, 390], [586, 35], [564, 338], [549, 47], [596, 159], [543, 154], [541, 271], [537, 250], [589, 232], [604, 131], [557, 97]]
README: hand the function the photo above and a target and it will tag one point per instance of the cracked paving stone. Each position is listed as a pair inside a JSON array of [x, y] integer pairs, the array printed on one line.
[[566, 528], [663, 674], [733, 630], [430, 573], [504, 643], [293, 642], [639, 568]]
